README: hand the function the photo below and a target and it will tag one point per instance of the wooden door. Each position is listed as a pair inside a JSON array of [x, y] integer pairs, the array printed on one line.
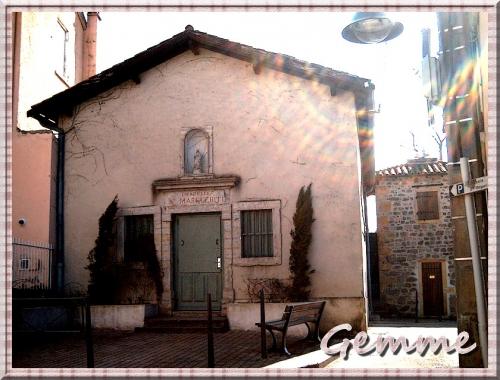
[[198, 261], [432, 287]]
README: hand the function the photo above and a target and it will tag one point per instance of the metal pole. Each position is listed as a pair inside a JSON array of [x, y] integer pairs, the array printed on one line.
[[470, 212], [211, 358], [263, 348], [416, 306], [88, 336]]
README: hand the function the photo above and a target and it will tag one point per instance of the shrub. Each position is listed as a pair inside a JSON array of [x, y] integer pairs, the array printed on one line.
[[101, 288], [300, 269]]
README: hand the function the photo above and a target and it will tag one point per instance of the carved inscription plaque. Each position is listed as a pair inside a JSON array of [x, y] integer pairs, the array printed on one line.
[[196, 197]]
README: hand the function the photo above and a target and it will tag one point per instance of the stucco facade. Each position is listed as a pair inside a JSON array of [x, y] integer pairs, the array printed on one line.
[[408, 240], [43, 64], [269, 134]]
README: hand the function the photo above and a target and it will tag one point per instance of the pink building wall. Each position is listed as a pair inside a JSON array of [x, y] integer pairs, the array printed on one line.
[[36, 76]]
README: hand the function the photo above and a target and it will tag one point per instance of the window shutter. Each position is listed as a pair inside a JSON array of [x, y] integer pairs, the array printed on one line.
[[427, 205]]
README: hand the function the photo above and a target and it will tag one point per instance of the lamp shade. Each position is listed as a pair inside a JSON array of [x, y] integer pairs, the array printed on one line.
[[371, 28]]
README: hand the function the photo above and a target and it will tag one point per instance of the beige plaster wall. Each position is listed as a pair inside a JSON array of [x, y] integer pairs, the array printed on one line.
[[243, 316], [40, 57], [33, 155], [33, 199], [277, 132]]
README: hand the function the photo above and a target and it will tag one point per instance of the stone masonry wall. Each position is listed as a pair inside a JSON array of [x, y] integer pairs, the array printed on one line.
[[404, 242]]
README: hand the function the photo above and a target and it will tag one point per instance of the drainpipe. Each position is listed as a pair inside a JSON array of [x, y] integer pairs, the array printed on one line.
[[60, 213], [59, 266]]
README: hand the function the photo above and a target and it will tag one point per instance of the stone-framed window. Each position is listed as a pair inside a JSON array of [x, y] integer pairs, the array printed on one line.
[[257, 233], [427, 205], [197, 151], [137, 228]]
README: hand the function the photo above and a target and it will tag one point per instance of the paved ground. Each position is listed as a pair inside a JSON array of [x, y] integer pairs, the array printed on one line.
[[411, 331], [234, 349]]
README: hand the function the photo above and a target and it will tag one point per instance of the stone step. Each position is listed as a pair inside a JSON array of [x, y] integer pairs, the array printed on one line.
[[181, 330], [185, 323]]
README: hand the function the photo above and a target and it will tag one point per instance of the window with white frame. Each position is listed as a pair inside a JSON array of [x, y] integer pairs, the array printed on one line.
[[61, 40], [24, 264]]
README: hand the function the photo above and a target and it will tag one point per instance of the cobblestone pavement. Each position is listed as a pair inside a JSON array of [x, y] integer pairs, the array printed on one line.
[[402, 359], [234, 349]]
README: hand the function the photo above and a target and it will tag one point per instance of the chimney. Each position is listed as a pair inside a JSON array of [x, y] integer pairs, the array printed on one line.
[[89, 45]]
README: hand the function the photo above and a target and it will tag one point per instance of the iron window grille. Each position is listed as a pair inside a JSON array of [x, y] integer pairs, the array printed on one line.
[[256, 233], [139, 237]]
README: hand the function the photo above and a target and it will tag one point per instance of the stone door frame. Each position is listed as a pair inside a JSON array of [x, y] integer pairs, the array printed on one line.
[[167, 216]]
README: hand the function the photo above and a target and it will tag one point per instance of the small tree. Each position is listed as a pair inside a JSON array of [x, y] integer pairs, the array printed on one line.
[[101, 286], [301, 240], [153, 264]]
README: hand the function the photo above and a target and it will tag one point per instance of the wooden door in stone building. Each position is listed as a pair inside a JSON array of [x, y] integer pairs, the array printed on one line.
[[432, 287], [197, 261]]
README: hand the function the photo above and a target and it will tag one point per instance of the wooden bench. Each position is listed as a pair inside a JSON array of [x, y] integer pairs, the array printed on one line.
[[303, 313]]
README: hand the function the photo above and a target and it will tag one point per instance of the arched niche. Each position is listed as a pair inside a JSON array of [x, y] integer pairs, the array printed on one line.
[[196, 152]]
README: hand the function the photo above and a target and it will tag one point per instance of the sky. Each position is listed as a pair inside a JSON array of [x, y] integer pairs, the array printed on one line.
[[394, 66]]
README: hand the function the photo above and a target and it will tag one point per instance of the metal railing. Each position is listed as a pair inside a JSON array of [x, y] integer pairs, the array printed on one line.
[[31, 264]]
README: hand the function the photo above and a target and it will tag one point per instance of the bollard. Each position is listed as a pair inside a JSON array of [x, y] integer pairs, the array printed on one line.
[[211, 358], [263, 348]]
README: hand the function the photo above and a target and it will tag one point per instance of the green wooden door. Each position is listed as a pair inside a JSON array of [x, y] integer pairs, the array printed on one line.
[[198, 261]]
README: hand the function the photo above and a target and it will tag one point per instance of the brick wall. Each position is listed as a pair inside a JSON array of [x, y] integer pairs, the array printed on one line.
[[404, 242]]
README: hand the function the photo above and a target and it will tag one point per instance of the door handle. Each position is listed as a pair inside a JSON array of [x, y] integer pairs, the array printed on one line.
[[216, 241], [219, 262], [182, 243]]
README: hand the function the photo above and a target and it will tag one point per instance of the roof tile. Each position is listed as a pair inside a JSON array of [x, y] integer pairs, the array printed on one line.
[[415, 167]]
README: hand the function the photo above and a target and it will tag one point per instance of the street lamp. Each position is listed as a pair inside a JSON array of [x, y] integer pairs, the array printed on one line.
[[371, 28]]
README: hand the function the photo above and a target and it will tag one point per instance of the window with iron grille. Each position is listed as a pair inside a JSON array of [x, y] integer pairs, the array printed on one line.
[[256, 233], [427, 205], [139, 237]]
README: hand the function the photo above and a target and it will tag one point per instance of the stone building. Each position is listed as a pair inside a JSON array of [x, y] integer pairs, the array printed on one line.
[[415, 240], [207, 143]]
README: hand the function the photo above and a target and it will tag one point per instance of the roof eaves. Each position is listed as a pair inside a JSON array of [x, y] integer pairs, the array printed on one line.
[[280, 62], [130, 68], [413, 169], [115, 75]]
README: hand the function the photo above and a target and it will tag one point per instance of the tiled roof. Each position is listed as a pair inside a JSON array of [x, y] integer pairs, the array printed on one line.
[[415, 167]]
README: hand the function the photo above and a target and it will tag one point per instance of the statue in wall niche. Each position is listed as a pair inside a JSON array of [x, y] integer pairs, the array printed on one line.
[[197, 162]]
